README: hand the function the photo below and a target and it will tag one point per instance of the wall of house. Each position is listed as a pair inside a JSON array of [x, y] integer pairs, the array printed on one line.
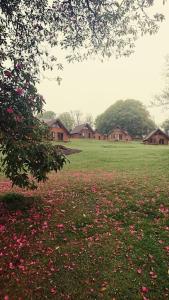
[[99, 136], [55, 134], [118, 135], [158, 139], [75, 136], [85, 133]]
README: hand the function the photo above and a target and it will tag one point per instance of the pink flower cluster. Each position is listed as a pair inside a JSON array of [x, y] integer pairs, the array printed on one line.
[[19, 91], [10, 110]]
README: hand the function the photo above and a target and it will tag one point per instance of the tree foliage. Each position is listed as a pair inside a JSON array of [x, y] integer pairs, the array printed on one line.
[[28, 30], [97, 27], [47, 115], [22, 133], [130, 115], [77, 117], [165, 126], [163, 98], [89, 119], [68, 120]]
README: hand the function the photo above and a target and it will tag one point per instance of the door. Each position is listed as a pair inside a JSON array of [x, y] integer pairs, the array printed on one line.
[[60, 136], [161, 141]]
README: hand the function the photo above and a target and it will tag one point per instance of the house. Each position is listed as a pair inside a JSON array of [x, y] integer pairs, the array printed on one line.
[[119, 134], [58, 131], [99, 136], [82, 131], [156, 137]]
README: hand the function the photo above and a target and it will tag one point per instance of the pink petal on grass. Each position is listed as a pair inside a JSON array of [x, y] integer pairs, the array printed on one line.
[[166, 248], [60, 226], [139, 271], [2, 228], [144, 289], [153, 275], [53, 291]]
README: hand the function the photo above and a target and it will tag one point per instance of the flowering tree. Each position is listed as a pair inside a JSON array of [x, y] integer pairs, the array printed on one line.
[[28, 29], [21, 132]]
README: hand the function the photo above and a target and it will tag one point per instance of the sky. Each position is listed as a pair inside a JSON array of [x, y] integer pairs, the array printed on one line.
[[92, 86]]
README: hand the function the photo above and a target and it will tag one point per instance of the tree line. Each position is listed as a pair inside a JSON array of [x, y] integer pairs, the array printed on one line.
[[130, 115]]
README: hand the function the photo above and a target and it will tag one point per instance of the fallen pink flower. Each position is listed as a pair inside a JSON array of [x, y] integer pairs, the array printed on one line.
[[144, 289], [139, 271], [2, 228], [166, 248], [60, 226], [153, 275], [11, 266], [145, 298], [53, 291]]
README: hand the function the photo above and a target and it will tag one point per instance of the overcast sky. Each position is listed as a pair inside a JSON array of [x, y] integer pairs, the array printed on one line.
[[92, 86]]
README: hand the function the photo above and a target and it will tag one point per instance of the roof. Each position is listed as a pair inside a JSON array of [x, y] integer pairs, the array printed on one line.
[[154, 132], [122, 130], [79, 128], [97, 131], [57, 121]]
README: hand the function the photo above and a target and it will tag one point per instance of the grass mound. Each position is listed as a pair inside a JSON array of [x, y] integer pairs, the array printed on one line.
[[16, 201]]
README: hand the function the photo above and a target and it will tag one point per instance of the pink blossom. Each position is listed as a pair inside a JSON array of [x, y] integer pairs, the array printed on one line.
[[139, 271], [19, 91], [18, 118], [6, 297], [10, 110]]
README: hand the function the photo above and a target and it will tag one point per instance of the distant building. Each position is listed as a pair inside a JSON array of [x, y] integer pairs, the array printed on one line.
[[157, 137], [58, 131], [82, 131], [99, 136], [119, 134]]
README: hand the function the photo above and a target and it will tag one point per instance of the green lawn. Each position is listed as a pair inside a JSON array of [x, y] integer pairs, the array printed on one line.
[[127, 157], [96, 230]]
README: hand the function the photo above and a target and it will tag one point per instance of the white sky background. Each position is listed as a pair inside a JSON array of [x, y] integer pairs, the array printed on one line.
[[92, 86]]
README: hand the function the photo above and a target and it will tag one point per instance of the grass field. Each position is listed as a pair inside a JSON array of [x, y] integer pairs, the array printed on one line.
[[96, 230]]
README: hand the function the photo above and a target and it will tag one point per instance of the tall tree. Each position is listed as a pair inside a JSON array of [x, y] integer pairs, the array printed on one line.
[[68, 120], [163, 98], [47, 115], [89, 119], [77, 116], [28, 29], [130, 115], [165, 126]]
